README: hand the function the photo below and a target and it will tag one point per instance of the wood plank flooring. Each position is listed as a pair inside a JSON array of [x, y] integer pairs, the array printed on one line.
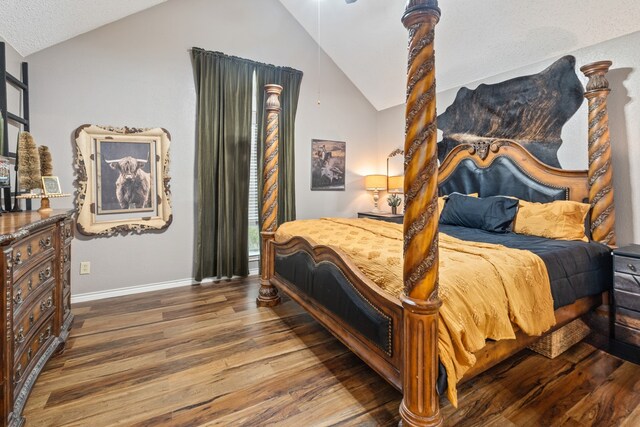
[[205, 355]]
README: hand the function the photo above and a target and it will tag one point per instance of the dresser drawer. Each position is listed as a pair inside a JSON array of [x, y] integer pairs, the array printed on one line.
[[627, 282], [43, 306], [25, 361], [627, 265], [30, 249], [627, 300], [30, 284]]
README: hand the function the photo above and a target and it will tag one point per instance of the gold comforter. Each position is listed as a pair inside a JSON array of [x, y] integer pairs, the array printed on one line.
[[485, 288]]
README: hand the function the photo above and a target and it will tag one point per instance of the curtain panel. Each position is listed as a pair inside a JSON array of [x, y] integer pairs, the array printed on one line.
[[223, 149]]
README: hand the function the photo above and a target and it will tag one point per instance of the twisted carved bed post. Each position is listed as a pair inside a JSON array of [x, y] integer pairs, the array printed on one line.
[[600, 171], [268, 295], [420, 405]]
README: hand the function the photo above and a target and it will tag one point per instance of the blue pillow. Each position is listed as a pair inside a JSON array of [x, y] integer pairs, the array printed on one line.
[[494, 213]]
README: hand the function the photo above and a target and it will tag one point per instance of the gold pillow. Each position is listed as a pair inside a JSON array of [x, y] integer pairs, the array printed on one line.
[[562, 219], [443, 199]]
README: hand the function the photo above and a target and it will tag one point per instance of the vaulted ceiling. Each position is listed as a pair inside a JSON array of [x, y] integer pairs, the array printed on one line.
[[32, 25], [475, 38]]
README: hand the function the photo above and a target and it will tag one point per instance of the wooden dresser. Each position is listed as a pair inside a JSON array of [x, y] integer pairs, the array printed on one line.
[[36, 301]]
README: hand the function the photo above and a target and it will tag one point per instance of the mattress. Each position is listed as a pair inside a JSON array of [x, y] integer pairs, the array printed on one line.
[[576, 269]]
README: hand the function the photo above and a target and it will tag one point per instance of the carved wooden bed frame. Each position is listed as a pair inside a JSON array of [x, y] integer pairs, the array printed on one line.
[[411, 361]]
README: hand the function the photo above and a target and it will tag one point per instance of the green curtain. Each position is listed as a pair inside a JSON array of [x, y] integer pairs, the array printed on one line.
[[290, 80], [223, 148]]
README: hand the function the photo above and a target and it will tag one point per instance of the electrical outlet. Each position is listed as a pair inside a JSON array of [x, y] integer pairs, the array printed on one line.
[[85, 267]]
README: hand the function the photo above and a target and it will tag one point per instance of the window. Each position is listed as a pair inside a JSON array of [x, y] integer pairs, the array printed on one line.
[[254, 209]]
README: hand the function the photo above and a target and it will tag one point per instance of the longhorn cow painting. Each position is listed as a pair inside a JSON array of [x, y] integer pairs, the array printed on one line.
[[125, 177]]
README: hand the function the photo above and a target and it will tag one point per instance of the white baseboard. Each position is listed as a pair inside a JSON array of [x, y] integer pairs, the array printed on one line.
[[131, 290]]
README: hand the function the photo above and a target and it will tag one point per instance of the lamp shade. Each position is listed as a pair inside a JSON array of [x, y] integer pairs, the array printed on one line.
[[396, 184], [375, 182]]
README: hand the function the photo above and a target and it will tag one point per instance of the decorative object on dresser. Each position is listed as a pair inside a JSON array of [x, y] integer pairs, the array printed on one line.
[[626, 294], [122, 175], [382, 216], [36, 301], [328, 164], [375, 183]]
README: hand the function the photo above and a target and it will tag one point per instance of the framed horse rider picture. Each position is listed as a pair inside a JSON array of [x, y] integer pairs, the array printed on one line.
[[122, 180], [328, 165]]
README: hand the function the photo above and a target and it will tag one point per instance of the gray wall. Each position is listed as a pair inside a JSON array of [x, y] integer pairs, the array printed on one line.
[[137, 72], [624, 109]]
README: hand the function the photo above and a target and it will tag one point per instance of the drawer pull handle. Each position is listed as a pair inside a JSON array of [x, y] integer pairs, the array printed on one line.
[[632, 267], [18, 374], [30, 284], [17, 260], [45, 243], [45, 305], [45, 274], [44, 335], [32, 319], [18, 298], [19, 339], [29, 250]]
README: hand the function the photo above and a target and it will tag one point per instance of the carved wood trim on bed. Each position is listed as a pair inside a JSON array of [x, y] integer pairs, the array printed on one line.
[[387, 364], [485, 154], [268, 294], [603, 214]]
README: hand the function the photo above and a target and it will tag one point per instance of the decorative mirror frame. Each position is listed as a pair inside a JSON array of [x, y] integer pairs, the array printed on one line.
[[86, 169]]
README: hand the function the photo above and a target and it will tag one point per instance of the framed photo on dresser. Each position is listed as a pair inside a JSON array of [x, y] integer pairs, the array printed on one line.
[[328, 165]]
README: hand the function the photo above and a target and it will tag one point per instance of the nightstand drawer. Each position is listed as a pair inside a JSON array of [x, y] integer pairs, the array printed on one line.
[[627, 300], [626, 265], [628, 318], [628, 335], [627, 282]]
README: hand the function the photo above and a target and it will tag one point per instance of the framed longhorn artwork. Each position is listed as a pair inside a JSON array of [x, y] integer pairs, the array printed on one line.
[[122, 180]]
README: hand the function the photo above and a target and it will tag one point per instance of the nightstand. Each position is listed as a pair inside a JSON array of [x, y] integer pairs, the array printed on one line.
[[626, 294], [382, 216]]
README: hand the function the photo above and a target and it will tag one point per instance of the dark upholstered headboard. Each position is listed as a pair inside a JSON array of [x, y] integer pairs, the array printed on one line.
[[506, 168]]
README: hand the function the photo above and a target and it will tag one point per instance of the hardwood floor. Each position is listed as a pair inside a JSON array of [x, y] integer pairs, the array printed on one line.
[[205, 355]]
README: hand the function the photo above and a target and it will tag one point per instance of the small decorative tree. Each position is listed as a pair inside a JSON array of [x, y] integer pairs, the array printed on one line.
[[28, 163], [46, 167]]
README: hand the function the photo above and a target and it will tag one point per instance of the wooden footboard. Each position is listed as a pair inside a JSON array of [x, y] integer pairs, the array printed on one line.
[[332, 289]]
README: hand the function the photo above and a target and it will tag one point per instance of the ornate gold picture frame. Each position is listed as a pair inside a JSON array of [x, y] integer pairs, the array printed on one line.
[[122, 180]]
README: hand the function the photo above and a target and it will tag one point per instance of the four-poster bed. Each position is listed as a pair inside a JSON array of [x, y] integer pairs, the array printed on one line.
[[398, 336]]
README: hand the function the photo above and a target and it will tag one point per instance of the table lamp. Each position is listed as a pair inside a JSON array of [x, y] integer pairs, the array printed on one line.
[[396, 184], [375, 183]]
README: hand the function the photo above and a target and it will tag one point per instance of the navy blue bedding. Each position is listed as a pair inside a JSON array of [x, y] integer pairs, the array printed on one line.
[[576, 269]]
